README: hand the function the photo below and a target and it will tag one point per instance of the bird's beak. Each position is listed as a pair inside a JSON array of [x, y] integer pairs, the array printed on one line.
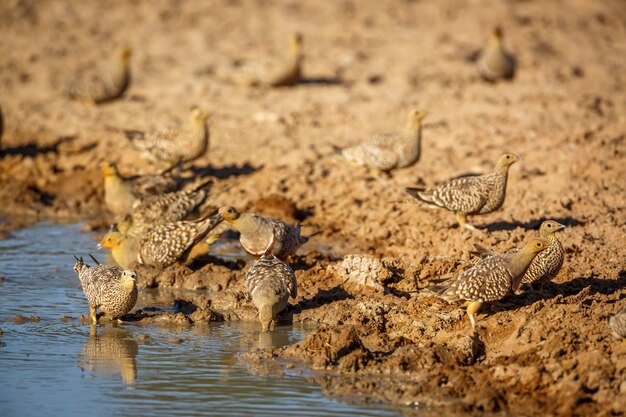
[[520, 158], [561, 226], [99, 246]]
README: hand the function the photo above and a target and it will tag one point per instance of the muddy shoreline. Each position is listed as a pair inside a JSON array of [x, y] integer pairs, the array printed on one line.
[[272, 152]]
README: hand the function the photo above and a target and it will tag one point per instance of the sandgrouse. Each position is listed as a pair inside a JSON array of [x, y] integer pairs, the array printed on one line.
[[495, 62], [175, 145], [269, 284], [469, 195], [284, 71], [548, 263], [104, 84], [490, 279], [256, 233], [389, 151], [110, 289]]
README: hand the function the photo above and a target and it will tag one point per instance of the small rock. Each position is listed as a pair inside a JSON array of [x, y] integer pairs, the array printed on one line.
[[364, 271], [65, 319]]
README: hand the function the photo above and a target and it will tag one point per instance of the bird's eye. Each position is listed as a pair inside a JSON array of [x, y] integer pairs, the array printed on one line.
[[538, 244], [549, 225]]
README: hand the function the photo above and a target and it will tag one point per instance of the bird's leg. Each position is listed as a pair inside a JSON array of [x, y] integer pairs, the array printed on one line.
[[462, 219], [93, 315], [379, 174], [472, 308]]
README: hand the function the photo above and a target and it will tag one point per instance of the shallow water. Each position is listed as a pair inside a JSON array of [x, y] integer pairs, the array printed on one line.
[[53, 367]]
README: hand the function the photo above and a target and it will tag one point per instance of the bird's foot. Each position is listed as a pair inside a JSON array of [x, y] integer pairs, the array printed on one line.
[[472, 227]]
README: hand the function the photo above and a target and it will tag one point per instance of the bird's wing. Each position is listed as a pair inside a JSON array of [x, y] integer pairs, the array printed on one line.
[[373, 156], [488, 280], [464, 194]]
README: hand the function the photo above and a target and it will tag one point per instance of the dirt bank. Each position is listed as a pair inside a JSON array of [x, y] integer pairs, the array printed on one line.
[[367, 63]]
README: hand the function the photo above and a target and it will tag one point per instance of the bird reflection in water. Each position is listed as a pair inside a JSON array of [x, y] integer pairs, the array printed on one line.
[[109, 353]]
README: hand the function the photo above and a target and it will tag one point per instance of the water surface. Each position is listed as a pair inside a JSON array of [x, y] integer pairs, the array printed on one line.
[[55, 367]]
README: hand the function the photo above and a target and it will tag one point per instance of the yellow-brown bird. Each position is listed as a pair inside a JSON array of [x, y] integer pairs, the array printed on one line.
[[285, 71], [181, 241], [548, 263], [269, 284], [256, 233], [121, 194], [175, 145], [495, 62], [104, 84], [123, 248], [491, 279], [392, 150], [161, 209], [470, 195]]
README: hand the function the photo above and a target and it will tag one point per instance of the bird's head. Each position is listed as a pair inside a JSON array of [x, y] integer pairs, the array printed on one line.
[[228, 214], [496, 35], [295, 43], [129, 278], [125, 52], [536, 246], [112, 240], [507, 159], [109, 169], [550, 227], [79, 264], [265, 317], [199, 115], [415, 118]]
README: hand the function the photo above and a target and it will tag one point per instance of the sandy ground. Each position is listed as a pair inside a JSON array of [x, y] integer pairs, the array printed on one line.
[[271, 151]]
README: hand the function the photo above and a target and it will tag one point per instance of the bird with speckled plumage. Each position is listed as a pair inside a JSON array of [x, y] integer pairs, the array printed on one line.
[[490, 279], [110, 289], [175, 145], [390, 151], [121, 194], [161, 209], [269, 284], [278, 72], [104, 84], [163, 245], [495, 62], [472, 194], [548, 263], [618, 324], [256, 232]]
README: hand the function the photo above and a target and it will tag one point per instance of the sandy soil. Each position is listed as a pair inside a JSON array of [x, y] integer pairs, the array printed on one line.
[[367, 64]]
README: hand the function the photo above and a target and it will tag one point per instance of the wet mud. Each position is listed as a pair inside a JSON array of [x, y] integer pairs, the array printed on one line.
[[361, 277]]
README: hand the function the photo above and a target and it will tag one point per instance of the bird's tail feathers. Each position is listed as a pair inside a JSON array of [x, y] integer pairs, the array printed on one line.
[[204, 185], [94, 259], [420, 194], [482, 251], [135, 137]]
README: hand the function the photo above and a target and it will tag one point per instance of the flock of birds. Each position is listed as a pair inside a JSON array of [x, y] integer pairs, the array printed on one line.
[[159, 225]]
